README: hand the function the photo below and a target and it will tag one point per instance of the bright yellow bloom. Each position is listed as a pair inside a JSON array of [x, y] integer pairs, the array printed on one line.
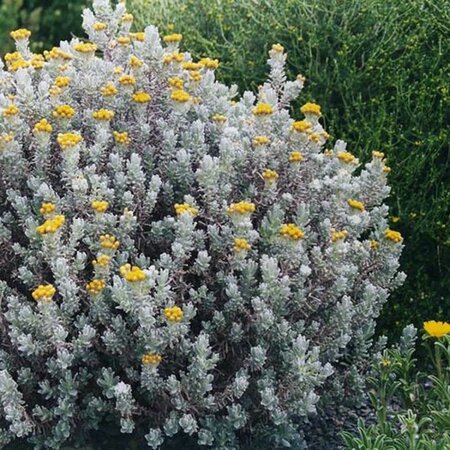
[[68, 140], [109, 90], [44, 292], [291, 231], [151, 359], [278, 48], [393, 236], [94, 287], [51, 225], [132, 273], [63, 112], [183, 208], [176, 82], [219, 118], [295, 157], [355, 204], [109, 242], [374, 244], [315, 137], [121, 138], [54, 91], [195, 75], [379, 155], [191, 65], [338, 235], [127, 18], [301, 126], [436, 329], [103, 114], [11, 57], [209, 63], [135, 62], [62, 81], [141, 97], [260, 140], [20, 34], [174, 314], [124, 40], [180, 96], [47, 208], [19, 64], [386, 169], [85, 47], [127, 80], [262, 109], [10, 111], [5, 138], [100, 26], [311, 108], [118, 70], [241, 245], [100, 205], [175, 37], [37, 61], [56, 53], [270, 175], [346, 157], [138, 36], [241, 208], [175, 57], [101, 261]]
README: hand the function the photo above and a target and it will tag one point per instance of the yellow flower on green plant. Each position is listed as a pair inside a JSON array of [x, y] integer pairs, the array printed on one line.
[[47, 208], [311, 108], [44, 292], [94, 287], [100, 205], [393, 236], [51, 226], [291, 231], [151, 359], [436, 329], [241, 245], [241, 208], [63, 112], [355, 204], [141, 97], [301, 126], [132, 273], [174, 314], [20, 34], [185, 208], [68, 140], [109, 242], [262, 109], [121, 138], [103, 114], [174, 37], [295, 157], [180, 96]]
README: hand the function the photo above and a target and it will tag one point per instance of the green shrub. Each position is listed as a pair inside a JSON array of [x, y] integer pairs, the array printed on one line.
[[381, 68]]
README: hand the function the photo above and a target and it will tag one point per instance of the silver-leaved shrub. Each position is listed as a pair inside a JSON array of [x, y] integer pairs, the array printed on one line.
[[176, 263]]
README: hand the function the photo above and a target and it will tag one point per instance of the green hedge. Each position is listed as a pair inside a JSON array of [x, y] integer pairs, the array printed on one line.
[[382, 69]]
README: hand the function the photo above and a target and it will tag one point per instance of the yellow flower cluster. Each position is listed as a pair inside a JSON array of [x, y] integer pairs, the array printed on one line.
[[127, 80], [37, 61], [183, 208], [311, 108], [20, 34], [173, 57], [100, 205], [109, 90], [6, 138], [121, 138], [44, 292], [219, 118], [260, 140], [180, 96], [135, 62], [174, 37], [151, 359], [100, 26], [128, 17], [132, 273], [346, 157], [291, 231], [295, 157], [43, 126], [262, 109], [123, 40], [94, 287], [241, 208], [374, 244], [51, 225], [141, 97], [209, 63], [174, 314], [278, 48], [109, 242], [377, 154], [47, 208], [85, 47], [176, 82], [101, 261], [195, 75], [315, 137], [63, 112], [103, 114], [270, 175], [191, 65], [241, 245], [355, 204], [68, 140], [393, 236], [338, 235], [10, 111], [138, 36], [436, 329], [62, 82], [301, 126], [57, 53]]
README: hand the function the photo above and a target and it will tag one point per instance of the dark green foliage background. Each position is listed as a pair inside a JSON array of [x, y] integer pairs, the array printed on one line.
[[381, 71]]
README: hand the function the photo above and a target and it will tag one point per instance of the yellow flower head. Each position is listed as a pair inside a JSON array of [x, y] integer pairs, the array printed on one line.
[[101, 261], [262, 109], [103, 114], [270, 175], [241, 208], [19, 64], [355, 204], [85, 47], [301, 126], [56, 53], [109, 90], [10, 111], [311, 108], [260, 140], [132, 273], [278, 48], [121, 138], [94, 287], [191, 65], [47, 208], [124, 40], [209, 63], [68, 140], [386, 169], [378, 155], [195, 75], [436, 329], [174, 37], [44, 292], [174, 314], [374, 244], [100, 26], [135, 62], [180, 96], [219, 118], [151, 359], [5, 138], [63, 112], [127, 18], [37, 61], [291, 231], [109, 242], [100, 206], [338, 235], [127, 80], [51, 226], [393, 236], [20, 34], [62, 82], [346, 157], [141, 97], [241, 245], [184, 208], [138, 36], [295, 157], [176, 82]]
